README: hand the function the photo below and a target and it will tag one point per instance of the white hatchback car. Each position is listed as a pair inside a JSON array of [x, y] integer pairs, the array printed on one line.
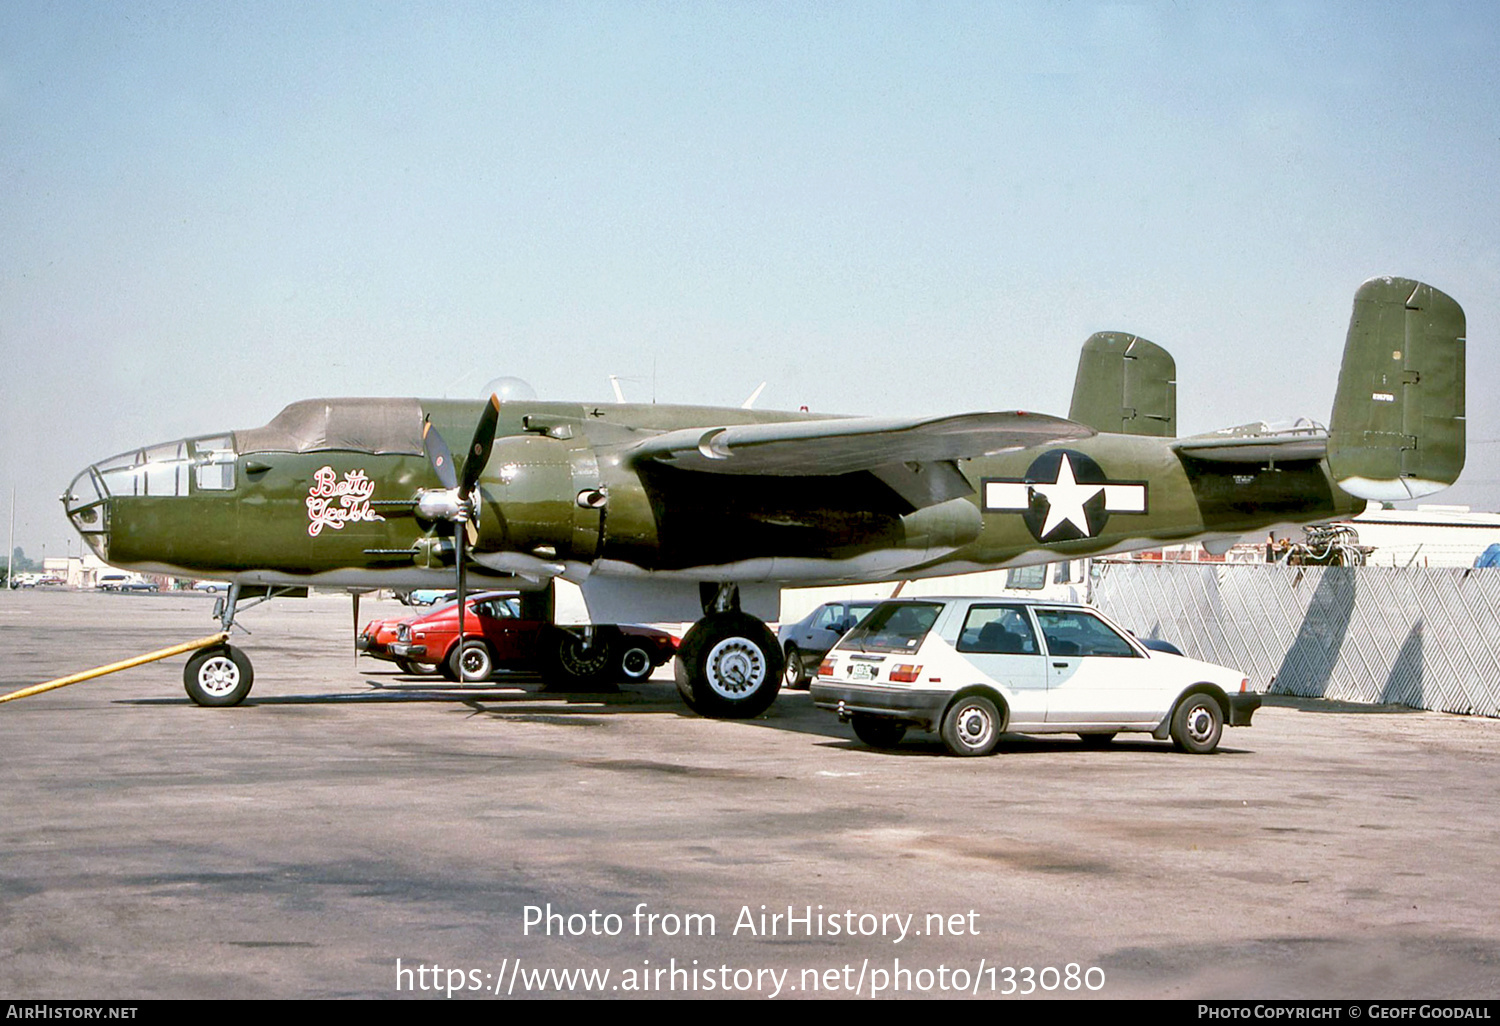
[[975, 668]]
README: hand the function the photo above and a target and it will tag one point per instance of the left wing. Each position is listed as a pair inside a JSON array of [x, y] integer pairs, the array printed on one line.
[[913, 456]]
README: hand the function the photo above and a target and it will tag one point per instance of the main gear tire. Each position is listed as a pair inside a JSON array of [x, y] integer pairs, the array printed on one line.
[[729, 666], [577, 660]]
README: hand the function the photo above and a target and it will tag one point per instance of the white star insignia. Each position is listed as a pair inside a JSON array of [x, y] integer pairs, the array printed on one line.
[[1065, 499]]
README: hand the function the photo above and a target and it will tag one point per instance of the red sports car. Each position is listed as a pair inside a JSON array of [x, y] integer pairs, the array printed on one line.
[[496, 637]]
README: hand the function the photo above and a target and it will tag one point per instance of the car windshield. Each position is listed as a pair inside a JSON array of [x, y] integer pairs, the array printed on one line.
[[893, 627]]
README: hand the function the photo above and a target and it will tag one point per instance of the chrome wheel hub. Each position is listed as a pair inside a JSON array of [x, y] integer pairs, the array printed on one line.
[[736, 667], [218, 676]]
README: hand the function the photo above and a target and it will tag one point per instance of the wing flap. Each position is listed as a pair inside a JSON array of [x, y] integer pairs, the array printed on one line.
[[846, 445]]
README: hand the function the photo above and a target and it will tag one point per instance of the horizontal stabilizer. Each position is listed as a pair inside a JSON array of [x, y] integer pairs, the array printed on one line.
[[804, 448], [1259, 443], [1125, 385], [1397, 430]]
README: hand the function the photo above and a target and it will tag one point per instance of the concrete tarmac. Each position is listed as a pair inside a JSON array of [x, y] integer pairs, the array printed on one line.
[[351, 831]]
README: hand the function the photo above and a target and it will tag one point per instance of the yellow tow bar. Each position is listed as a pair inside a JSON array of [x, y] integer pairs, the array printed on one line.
[[149, 657]]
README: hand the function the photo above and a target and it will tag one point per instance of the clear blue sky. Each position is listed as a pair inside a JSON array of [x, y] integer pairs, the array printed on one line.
[[210, 210]]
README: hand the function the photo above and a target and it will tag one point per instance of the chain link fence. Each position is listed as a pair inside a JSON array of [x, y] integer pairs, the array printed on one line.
[[1426, 638]]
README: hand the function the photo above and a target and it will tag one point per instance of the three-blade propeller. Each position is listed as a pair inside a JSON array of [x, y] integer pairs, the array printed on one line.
[[457, 501]]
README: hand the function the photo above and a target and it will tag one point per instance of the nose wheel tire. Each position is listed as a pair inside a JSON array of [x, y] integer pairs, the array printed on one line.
[[729, 666], [971, 726], [1197, 724], [218, 676]]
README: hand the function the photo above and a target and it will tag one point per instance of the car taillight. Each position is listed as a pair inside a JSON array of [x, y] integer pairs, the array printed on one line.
[[905, 673], [825, 668], [1244, 685]]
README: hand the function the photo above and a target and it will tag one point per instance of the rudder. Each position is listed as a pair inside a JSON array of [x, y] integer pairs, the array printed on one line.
[[1397, 430], [1125, 385]]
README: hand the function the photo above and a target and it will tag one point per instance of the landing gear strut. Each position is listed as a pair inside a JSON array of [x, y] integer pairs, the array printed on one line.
[[728, 665], [221, 675]]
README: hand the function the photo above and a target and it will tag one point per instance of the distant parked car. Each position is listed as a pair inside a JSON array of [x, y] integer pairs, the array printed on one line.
[[427, 596], [211, 586], [497, 637], [975, 668], [125, 582], [809, 639]]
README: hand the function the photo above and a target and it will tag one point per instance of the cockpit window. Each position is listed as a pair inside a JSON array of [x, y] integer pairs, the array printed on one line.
[[161, 471], [213, 461]]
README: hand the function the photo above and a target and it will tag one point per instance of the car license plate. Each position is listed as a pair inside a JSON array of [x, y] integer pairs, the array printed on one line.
[[863, 671]]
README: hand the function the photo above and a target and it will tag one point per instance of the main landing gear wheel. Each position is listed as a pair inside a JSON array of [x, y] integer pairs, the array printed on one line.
[[573, 660], [1197, 724], [218, 676], [971, 726], [729, 666]]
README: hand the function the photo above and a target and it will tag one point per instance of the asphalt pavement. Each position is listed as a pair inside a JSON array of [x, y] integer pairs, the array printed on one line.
[[351, 831]]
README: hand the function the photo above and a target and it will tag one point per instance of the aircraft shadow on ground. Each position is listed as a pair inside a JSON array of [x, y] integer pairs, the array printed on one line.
[[1333, 705], [1018, 745], [524, 696]]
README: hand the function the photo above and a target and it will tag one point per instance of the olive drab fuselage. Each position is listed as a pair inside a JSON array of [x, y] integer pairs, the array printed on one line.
[[559, 490]]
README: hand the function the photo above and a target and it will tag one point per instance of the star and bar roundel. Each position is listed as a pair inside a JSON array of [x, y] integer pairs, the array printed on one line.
[[1064, 496]]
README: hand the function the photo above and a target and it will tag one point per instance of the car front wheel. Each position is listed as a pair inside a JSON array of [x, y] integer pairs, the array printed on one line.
[[1197, 724], [416, 669]]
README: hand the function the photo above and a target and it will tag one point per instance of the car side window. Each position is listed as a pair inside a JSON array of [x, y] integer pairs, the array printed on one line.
[[1074, 632], [830, 616], [496, 609], [997, 630]]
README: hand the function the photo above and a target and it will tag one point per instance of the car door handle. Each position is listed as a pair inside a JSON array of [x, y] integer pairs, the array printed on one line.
[[1061, 666]]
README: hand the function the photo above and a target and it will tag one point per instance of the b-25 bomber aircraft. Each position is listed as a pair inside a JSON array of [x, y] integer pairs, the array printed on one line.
[[694, 513]]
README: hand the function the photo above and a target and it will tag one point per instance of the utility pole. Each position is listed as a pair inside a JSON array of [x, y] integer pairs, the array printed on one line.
[[10, 550]]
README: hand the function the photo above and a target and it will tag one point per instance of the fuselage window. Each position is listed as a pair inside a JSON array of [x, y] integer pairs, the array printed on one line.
[[213, 463]]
